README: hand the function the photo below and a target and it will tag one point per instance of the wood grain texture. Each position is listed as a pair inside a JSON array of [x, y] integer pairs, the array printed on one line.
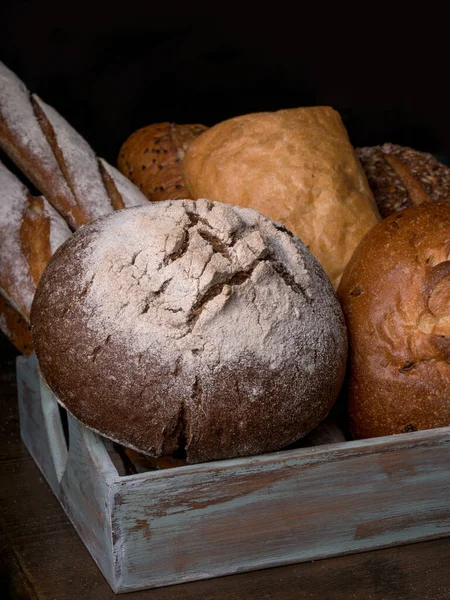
[[85, 494], [201, 521], [42, 557], [278, 509], [40, 422]]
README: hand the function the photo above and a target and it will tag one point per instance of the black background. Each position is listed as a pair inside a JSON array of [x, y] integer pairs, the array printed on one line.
[[110, 70]]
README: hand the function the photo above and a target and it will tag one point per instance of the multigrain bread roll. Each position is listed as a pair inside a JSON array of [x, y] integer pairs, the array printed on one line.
[[297, 167], [151, 158], [400, 177], [190, 325], [395, 293]]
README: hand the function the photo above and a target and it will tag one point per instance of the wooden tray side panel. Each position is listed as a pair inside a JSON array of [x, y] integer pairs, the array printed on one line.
[[212, 522], [80, 478], [86, 494], [40, 422], [201, 521]]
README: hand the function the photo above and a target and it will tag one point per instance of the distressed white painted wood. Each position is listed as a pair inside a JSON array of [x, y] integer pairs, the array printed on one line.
[[201, 521]]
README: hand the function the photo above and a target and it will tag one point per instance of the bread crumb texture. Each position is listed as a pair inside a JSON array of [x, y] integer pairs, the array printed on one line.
[[190, 326]]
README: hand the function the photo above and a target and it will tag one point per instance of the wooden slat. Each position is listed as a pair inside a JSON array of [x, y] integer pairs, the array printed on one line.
[[42, 557], [225, 518], [202, 521]]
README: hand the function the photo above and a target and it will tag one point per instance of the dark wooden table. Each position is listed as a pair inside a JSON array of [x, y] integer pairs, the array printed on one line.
[[41, 556]]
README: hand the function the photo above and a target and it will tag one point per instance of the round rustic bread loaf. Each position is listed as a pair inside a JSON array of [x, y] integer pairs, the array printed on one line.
[[395, 292], [190, 325]]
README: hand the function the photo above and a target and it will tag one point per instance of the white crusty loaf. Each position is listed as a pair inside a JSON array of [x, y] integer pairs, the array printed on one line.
[[296, 166]]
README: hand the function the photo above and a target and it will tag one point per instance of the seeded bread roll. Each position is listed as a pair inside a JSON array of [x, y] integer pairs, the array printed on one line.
[[296, 166], [400, 177], [151, 158], [395, 293], [190, 325]]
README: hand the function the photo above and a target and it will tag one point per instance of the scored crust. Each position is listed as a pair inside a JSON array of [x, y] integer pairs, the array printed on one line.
[[400, 177], [191, 325]]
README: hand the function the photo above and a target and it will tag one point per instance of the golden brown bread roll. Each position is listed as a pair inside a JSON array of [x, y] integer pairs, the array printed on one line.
[[395, 292], [297, 167], [151, 158], [400, 177]]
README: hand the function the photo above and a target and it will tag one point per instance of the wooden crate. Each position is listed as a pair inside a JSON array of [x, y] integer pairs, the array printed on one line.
[[200, 521]]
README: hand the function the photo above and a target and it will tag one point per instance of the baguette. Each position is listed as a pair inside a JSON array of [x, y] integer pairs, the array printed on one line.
[[57, 159], [30, 232]]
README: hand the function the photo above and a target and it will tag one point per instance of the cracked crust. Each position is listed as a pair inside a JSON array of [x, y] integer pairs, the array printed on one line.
[[190, 326], [395, 293], [297, 167]]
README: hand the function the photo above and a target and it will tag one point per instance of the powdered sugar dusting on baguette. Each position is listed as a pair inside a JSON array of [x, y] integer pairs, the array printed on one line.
[[81, 164], [15, 279], [131, 194]]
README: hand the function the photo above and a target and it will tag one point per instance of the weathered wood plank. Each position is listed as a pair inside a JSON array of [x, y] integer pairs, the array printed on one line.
[[208, 522], [86, 494], [40, 422], [195, 522]]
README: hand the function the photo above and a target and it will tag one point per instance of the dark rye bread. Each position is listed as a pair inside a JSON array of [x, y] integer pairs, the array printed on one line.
[[395, 293], [400, 177], [190, 325]]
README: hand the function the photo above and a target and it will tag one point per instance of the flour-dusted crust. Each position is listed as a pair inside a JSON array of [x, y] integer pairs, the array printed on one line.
[[395, 293], [297, 167], [30, 232], [190, 324], [56, 158]]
